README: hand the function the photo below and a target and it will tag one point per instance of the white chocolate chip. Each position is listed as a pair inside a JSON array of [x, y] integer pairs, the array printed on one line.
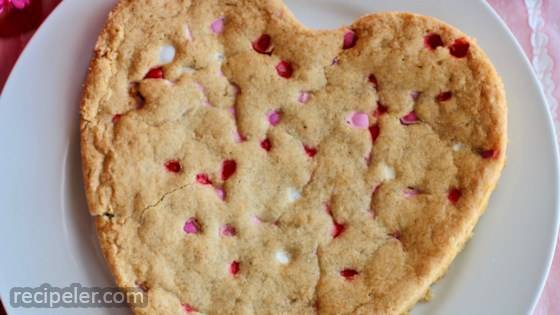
[[457, 147], [186, 70], [282, 257], [293, 194], [166, 54], [386, 172]]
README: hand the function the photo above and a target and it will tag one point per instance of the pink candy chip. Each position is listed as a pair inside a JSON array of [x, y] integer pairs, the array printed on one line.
[[217, 26], [256, 220], [410, 192], [20, 4], [228, 230], [237, 137], [304, 97], [221, 193], [409, 118], [358, 120], [191, 226], [274, 117], [188, 33]]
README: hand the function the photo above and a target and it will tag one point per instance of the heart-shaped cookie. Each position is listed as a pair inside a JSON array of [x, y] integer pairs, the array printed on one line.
[[239, 163]]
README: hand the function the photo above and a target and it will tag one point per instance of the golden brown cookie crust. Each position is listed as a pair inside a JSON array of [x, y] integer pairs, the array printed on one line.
[[400, 207]]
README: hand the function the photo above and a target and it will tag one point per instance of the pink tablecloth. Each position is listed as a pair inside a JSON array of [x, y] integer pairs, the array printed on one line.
[[535, 23]]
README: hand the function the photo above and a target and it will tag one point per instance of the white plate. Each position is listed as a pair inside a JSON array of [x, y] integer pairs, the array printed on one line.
[[47, 235]]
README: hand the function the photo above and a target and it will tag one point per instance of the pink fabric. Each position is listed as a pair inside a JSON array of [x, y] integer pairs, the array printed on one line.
[[517, 14], [551, 14]]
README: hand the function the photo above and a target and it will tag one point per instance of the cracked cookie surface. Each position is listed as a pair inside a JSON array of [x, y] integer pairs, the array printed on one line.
[[239, 163]]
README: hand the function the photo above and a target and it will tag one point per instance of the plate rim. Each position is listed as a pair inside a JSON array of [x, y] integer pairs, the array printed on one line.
[[556, 149], [550, 126]]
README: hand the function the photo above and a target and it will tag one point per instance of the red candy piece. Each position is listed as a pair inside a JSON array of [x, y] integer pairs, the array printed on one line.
[[373, 80], [116, 118], [155, 73], [284, 69], [310, 151], [489, 154], [374, 130], [262, 44], [228, 169], [459, 48], [396, 234], [266, 144], [350, 39], [234, 267], [454, 195], [189, 309], [349, 274], [203, 179], [380, 110], [338, 228], [433, 41], [444, 96], [173, 166]]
